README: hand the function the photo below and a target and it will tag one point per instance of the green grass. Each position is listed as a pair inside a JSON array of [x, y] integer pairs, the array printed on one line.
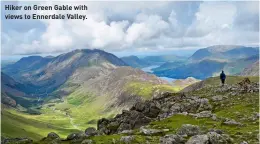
[[146, 90], [20, 125]]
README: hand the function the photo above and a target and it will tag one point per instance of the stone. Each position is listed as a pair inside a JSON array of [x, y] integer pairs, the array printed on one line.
[[243, 142], [198, 139], [215, 138], [231, 122], [189, 130], [203, 114], [123, 127], [129, 132], [91, 131], [87, 141], [127, 139], [172, 139], [53, 135], [146, 131], [217, 98]]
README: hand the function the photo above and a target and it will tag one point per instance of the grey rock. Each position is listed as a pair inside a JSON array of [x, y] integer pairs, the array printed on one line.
[[189, 130], [172, 139], [217, 98], [203, 114], [127, 139], [53, 135], [198, 139], [127, 132], [231, 122], [215, 138], [91, 131], [147, 131], [243, 142], [87, 141], [77, 136]]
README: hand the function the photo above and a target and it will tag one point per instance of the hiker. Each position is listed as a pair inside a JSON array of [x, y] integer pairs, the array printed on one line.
[[222, 77]]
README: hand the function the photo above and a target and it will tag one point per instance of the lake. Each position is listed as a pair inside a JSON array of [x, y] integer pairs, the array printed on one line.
[[149, 70]]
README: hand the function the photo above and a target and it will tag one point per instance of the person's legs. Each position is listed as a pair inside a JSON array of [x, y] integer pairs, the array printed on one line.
[[223, 82]]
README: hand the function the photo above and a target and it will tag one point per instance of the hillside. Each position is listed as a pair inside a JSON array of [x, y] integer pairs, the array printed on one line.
[[223, 52], [135, 62], [15, 94], [192, 117], [252, 70], [50, 73]]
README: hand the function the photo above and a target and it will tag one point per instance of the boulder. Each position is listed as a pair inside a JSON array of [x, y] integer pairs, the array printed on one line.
[[129, 132], [203, 114], [217, 98], [231, 122], [215, 138], [124, 127], [150, 132], [189, 130], [127, 139], [53, 135], [91, 131], [172, 139], [147, 131], [198, 139], [76, 136], [87, 141]]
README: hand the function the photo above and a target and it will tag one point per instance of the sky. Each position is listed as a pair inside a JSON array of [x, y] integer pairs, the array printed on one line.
[[133, 28]]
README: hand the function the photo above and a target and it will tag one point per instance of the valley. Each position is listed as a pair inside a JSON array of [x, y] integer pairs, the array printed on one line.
[[73, 91]]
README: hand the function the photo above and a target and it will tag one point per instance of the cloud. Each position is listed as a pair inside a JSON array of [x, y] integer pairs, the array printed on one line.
[[134, 26]]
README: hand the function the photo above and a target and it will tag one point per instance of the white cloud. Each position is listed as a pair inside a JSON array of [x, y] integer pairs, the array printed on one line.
[[136, 26]]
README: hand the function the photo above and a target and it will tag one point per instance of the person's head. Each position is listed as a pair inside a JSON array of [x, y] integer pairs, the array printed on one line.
[[222, 71]]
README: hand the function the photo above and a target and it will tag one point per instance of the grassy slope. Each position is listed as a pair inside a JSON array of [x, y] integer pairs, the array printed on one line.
[[243, 105], [14, 124]]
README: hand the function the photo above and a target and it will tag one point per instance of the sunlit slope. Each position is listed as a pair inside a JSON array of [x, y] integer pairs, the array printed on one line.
[[15, 124]]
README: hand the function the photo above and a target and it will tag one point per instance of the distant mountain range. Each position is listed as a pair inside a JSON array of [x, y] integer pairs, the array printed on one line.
[[224, 53], [135, 62], [210, 61]]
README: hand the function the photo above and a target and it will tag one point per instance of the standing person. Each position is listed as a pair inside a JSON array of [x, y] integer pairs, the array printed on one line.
[[222, 78]]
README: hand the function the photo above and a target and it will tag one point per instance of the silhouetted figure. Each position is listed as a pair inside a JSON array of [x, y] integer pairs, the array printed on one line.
[[222, 78]]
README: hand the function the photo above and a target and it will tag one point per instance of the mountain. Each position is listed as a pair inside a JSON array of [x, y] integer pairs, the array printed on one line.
[[200, 70], [157, 60], [195, 116], [50, 73], [252, 70], [224, 53], [135, 62]]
